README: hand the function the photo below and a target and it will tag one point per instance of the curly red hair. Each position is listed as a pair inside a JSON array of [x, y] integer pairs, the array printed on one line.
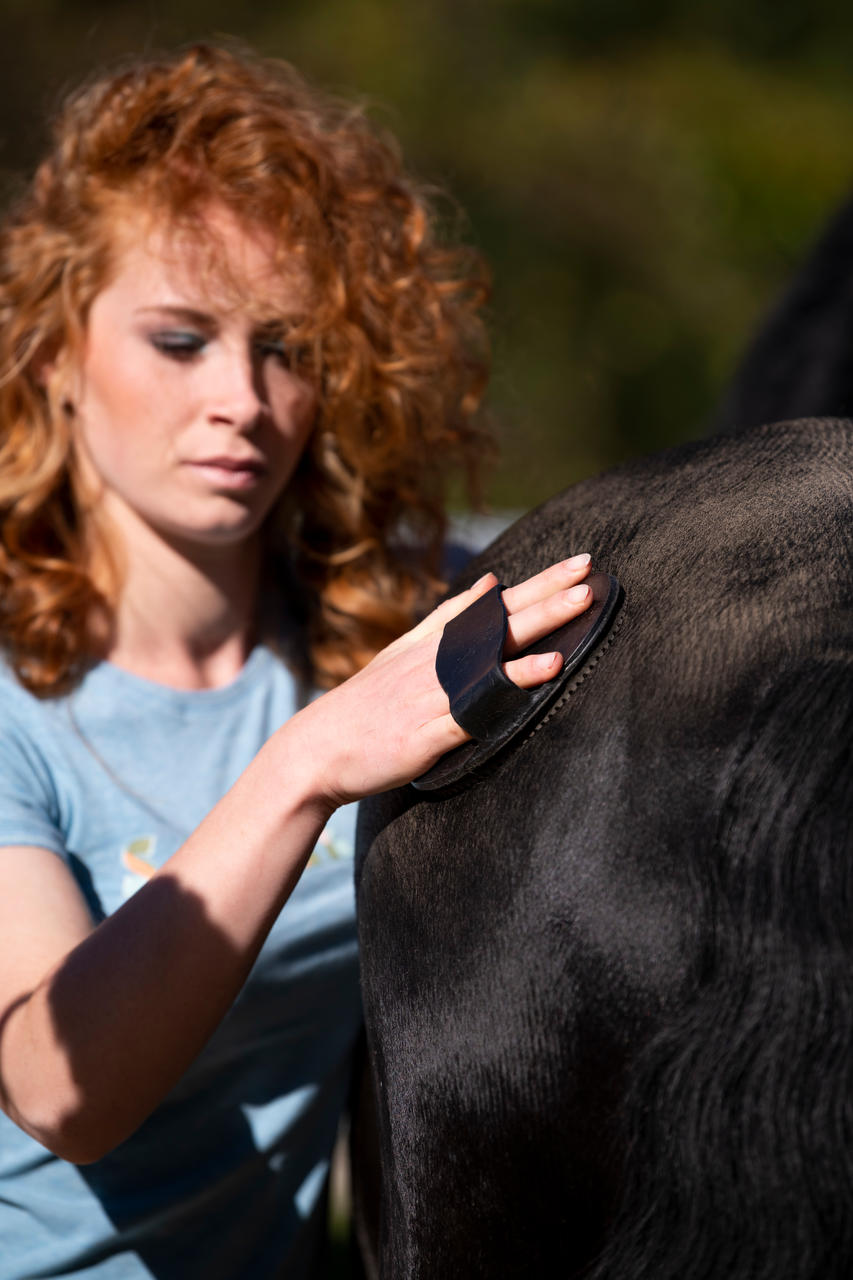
[[393, 341]]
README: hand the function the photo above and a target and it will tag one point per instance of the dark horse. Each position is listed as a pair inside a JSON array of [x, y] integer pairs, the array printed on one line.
[[609, 986]]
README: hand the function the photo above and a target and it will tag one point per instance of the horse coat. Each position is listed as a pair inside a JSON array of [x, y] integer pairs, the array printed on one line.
[[609, 986]]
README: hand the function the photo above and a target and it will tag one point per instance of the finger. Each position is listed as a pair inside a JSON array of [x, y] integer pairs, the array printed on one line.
[[450, 608], [441, 615], [441, 735], [530, 672], [539, 620], [557, 577]]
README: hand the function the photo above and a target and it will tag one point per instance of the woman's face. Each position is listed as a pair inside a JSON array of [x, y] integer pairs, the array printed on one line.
[[188, 420]]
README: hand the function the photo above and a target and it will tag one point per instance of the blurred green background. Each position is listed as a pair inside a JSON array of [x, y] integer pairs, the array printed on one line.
[[643, 175]]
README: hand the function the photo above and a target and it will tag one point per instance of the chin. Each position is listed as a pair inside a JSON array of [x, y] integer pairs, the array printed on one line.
[[226, 535]]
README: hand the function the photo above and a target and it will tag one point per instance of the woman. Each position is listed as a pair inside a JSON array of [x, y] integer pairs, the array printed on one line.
[[234, 358]]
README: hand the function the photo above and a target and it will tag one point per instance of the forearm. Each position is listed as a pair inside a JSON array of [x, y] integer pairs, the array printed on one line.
[[90, 1052], [91, 1049]]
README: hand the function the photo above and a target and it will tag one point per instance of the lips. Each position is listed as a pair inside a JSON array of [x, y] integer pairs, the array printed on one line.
[[228, 463], [230, 472]]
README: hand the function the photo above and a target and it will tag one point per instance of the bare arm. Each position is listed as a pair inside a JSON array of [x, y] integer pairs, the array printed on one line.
[[98, 1023]]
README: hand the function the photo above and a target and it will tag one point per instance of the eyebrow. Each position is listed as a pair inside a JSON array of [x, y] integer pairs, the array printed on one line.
[[187, 314]]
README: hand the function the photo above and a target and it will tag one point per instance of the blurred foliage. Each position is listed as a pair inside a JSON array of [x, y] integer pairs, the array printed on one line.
[[642, 176]]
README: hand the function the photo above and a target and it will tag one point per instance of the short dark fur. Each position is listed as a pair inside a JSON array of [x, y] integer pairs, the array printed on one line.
[[609, 989], [799, 365]]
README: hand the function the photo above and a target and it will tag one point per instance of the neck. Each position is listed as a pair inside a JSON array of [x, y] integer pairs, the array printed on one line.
[[185, 617]]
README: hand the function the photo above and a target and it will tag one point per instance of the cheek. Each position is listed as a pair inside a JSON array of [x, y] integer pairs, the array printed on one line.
[[120, 420], [110, 438], [116, 439], [294, 408], [104, 456]]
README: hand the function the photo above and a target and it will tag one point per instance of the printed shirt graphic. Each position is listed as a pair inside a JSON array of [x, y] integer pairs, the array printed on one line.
[[228, 1172], [137, 858]]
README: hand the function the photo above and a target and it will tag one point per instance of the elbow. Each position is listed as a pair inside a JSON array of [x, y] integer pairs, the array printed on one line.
[[77, 1147], [71, 1143], [67, 1129], [40, 1092], [78, 1137]]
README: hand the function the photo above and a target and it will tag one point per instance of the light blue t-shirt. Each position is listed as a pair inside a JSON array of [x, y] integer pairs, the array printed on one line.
[[225, 1180]]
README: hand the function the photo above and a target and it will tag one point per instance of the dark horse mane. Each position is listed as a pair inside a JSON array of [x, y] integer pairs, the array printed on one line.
[[740, 1146], [609, 989], [798, 364]]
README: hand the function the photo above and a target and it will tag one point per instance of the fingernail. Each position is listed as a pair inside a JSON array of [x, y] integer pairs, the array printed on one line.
[[479, 581], [578, 593], [579, 562], [545, 661]]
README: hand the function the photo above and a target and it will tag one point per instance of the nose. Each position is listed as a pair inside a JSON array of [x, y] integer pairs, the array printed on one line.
[[236, 390]]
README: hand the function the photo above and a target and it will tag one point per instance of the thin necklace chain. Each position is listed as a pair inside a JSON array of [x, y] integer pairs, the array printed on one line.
[[303, 694], [120, 782]]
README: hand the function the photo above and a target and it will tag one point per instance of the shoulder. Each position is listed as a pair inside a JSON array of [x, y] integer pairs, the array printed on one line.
[[30, 765], [21, 710]]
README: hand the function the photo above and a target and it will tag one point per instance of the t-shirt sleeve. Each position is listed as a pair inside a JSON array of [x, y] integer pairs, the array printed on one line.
[[29, 811]]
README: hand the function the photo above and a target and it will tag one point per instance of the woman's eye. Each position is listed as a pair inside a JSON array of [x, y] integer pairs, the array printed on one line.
[[290, 355], [275, 348], [178, 344]]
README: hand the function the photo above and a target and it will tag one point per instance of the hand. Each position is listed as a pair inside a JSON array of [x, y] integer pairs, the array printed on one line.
[[392, 722]]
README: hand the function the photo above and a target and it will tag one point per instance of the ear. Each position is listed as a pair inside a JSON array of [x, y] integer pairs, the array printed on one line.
[[57, 372]]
